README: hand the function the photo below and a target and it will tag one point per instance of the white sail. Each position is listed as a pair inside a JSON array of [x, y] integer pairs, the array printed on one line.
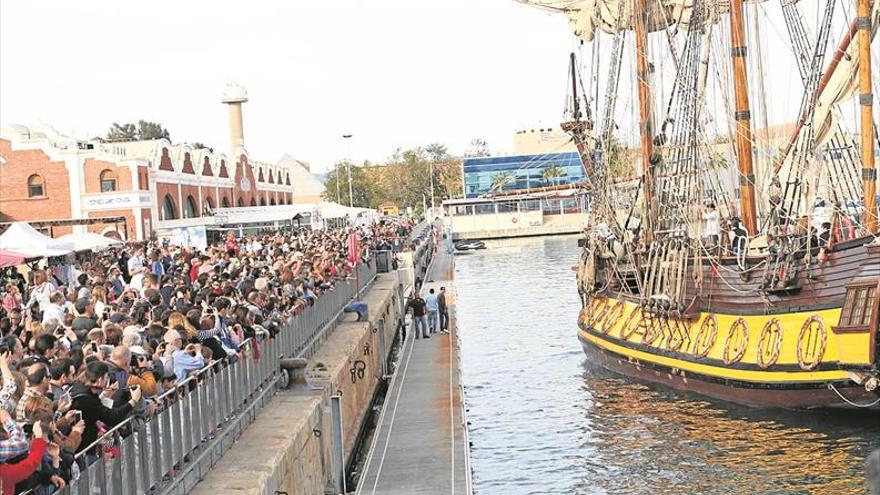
[[842, 85], [588, 16]]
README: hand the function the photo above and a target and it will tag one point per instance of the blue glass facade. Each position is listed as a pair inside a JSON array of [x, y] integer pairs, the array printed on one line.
[[521, 171]]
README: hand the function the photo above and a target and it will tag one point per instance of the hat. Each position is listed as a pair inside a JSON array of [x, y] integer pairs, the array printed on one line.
[[261, 283], [136, 349]]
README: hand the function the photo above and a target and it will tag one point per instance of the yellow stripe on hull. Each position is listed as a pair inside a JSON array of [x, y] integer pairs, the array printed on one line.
[[796, 347]]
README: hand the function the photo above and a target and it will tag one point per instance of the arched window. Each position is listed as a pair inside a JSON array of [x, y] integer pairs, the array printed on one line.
[[209, 205], [240, 202], [108, 181], [168, 210], [262, 201], [253, 202], [272, 202], [191, 211], [225, 202], [35, 186]]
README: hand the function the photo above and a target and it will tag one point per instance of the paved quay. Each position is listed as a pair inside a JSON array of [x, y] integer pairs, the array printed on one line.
[[420, 445]]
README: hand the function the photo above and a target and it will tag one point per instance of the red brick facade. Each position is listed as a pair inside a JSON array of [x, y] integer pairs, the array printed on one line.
[[19, 167]]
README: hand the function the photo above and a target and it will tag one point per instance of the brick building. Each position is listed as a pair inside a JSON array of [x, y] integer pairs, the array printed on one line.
[[151, 184]]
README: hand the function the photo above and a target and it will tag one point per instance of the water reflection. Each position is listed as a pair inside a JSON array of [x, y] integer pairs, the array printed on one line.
[[543, 420]]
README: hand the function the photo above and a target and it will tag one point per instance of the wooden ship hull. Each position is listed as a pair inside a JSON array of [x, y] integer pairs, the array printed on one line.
[[786, 350]]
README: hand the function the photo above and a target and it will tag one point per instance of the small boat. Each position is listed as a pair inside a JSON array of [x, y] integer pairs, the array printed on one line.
[[469, 245]]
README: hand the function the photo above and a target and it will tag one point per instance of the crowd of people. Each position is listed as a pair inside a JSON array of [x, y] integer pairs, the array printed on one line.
[[90, 342]]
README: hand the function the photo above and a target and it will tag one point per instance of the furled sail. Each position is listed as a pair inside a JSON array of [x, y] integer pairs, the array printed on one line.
[[842, 85], [588, 16]]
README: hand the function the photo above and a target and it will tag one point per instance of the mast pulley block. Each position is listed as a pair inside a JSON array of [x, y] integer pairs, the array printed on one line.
[[866, 99], [742, 115], [863, 23], [739, 51], [869, 174]]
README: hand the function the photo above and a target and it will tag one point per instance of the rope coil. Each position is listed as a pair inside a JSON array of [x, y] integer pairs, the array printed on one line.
[[706, 337]]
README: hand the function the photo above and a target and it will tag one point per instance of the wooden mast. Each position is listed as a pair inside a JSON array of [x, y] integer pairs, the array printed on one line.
[[869, 170], [742, 115], [646, 124], [578, 127]]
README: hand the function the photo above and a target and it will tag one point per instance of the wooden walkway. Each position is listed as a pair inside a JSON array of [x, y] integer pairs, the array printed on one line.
[[420, 445]]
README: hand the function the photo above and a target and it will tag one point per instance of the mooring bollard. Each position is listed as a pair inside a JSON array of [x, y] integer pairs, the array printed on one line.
[[296, 370], [338, 456]]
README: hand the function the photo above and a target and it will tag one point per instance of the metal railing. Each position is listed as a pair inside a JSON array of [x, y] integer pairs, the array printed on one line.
[[200, 418]]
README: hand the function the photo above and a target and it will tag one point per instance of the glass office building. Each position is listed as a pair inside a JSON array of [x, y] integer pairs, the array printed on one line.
[[519, 172]]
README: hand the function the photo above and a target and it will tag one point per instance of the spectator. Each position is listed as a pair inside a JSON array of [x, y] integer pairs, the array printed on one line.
[[87, 394], [183, 360], [10, 474], [433, 304], [419, 321], [34, 397]]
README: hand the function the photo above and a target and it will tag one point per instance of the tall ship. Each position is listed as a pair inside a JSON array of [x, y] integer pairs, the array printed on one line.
[[716, 259]]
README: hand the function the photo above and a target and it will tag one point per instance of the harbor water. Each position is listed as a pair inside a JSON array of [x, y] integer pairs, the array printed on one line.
[[544, 420]]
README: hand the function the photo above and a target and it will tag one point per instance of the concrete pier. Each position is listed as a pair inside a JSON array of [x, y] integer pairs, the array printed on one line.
[[421, 446], [289, 448]]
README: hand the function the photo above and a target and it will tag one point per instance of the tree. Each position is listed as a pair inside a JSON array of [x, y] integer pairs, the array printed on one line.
[[501, 179], [362, 186], [142, 131], [552, 174], [619, 164], [477, 147], [122, 132]]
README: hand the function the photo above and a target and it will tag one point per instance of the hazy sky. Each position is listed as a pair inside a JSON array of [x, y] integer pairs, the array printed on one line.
[[390, 72]]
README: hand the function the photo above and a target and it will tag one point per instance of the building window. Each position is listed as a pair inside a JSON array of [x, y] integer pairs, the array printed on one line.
[[168, 210], [208, 206], [190, 211], [225, 202], [35, 186], [859, 308], [108, 181]]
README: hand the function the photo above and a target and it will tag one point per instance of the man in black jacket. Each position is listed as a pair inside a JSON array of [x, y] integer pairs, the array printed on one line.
[[86, 398]]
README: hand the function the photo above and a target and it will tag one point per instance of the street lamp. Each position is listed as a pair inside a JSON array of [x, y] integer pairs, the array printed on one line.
[[347, 138]]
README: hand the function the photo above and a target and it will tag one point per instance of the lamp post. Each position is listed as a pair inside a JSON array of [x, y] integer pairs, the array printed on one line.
[[347, 138], [431, 164]]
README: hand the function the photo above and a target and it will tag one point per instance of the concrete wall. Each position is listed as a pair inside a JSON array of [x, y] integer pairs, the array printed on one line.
[[517, 224]]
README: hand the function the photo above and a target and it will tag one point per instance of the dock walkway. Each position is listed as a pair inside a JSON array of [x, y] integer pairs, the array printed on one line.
[[420, 445]]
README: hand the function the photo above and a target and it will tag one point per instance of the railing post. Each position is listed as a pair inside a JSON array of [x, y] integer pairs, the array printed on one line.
[[382, 347], [338, 461]]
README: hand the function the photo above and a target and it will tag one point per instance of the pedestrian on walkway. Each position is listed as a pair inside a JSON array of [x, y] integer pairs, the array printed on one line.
[[444, 311], [419, 320], [433, 305]]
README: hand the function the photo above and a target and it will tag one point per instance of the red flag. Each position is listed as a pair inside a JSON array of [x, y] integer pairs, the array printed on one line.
[[354, 248]]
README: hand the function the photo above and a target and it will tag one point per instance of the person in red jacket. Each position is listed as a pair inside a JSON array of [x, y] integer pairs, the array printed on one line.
[[10, 474]]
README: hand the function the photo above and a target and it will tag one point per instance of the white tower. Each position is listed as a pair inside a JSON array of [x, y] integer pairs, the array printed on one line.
[[234, 96]]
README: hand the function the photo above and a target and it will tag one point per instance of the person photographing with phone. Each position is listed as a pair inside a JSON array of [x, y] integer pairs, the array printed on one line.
[[87, 393]]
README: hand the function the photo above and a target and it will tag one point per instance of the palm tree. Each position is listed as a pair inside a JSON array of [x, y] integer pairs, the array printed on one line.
[[501, 179], [553, 173]]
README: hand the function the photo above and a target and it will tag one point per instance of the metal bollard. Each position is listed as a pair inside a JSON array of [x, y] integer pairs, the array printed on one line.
[[338, 461]]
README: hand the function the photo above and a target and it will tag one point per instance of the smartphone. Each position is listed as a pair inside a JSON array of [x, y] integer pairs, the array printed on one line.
[[77, 416], [94, 346]]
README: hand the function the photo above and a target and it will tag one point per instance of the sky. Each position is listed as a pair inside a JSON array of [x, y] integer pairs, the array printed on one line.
[[391, 73]]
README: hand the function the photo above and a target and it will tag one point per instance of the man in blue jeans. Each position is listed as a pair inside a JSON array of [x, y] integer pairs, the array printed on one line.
[[419, 321], [433, 304]]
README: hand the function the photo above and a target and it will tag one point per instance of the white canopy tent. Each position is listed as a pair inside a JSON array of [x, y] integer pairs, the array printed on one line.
[[20, 237], [86, 241]]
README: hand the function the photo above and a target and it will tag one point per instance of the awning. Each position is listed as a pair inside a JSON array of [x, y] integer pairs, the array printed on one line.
[[90, 241], [20, 237], [11, 258]]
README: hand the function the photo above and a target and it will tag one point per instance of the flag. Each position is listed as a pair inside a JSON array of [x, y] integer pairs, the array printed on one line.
[[354, 248]]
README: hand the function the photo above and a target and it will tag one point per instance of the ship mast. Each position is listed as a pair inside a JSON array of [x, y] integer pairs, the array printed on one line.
[[576, 126], [646, 125], [869, 170], [742, 115]]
